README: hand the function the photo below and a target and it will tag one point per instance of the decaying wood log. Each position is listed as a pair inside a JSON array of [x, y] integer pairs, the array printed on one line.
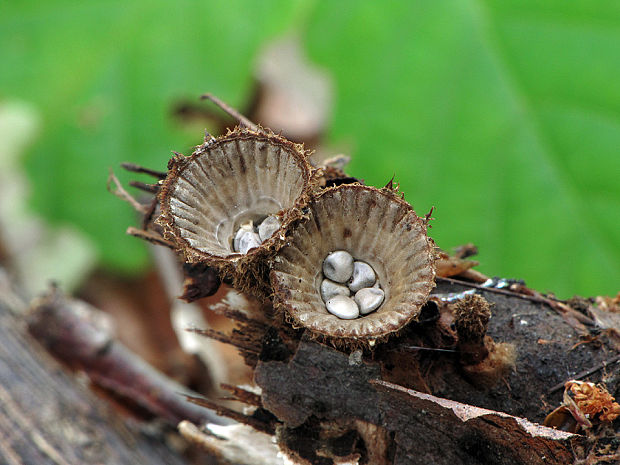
[[401, 402], [431, 407], [323, 385]]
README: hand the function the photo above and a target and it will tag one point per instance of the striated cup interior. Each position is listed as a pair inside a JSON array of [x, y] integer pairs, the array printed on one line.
[[240, 177], [373, 225]]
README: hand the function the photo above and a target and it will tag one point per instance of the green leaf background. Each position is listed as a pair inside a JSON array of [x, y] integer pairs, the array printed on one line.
[[504, 115]]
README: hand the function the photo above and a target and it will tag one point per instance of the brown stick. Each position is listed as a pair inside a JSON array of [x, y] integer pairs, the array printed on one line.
[[226, 412], [573, 317], [585, 373], [75, 333], [149, 236], [242, 395], [48, 416], [140, 169], [231, 111], [222, 337], [150, 188], [492, 289], [122, 194]]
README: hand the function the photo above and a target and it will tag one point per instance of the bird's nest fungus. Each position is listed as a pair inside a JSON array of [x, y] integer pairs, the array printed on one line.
[[352, 264]]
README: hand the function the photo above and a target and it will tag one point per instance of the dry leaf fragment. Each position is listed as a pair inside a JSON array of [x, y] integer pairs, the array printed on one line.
[[593, 400]]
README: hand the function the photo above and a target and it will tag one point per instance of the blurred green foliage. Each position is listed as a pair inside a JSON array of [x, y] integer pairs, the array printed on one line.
[[505, 115]]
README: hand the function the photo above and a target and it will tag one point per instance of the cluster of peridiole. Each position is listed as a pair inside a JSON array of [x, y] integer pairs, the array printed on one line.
[[250, 235], [350, 287]]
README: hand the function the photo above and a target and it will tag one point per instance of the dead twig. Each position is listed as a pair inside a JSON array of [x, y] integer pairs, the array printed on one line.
[[242, 395], [225, 338], [49, 416], [122, 194], [149, 236], [492, 289], [150, 188], [140, 169], [77, 334], [232, 414], [243, 121], [576, 319], [585, 373]]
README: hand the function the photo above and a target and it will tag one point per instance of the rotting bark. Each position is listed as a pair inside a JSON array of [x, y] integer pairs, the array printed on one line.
[[46, 417], [325, 400], [549, 351], [318, 385], [322, 383]]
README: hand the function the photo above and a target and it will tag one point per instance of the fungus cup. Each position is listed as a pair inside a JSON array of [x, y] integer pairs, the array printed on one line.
[[227, 182], [375, 226]]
